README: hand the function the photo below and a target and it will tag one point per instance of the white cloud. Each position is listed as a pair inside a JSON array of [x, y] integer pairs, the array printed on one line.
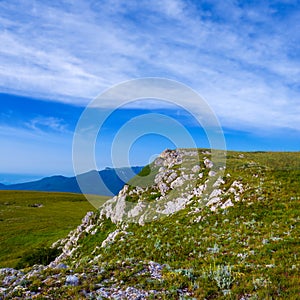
[[40, 124], [242, 59]]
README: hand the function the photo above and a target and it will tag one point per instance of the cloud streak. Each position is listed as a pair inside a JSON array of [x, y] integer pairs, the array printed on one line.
[[40, 124], [242, 58]]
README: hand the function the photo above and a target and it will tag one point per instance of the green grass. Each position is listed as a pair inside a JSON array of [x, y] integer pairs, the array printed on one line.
[[257, 239], [24, 226], [145, 177]]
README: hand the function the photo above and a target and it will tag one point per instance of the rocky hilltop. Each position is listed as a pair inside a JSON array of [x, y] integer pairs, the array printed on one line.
[[178, 178], [195, 224]]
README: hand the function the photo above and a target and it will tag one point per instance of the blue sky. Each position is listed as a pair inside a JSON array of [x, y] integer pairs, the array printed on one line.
[[242, 57]]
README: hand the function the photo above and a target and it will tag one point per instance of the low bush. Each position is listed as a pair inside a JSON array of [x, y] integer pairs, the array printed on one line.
[[41, 256]]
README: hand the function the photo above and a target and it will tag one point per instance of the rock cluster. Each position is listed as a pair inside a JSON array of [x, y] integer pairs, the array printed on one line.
[[15, 282], [89, 225], [179, 178], [217, 196]]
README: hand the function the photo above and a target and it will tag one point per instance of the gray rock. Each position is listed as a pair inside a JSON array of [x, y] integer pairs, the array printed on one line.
[[72, 280], [213, 201], [212, 173], [9, 279], [61, 266], [196, 169], [172, 177], [155, 270], [228, 203], [215, 193], [159, 161], [111, 238], [218, 182], [174, 206], [163, 188], [208, 164], [177, 183]]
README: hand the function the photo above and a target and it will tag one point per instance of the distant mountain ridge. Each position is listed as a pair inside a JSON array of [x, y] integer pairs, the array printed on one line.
[[59, 183]]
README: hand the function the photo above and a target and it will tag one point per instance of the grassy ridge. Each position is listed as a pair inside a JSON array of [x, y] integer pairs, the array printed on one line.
[[33, 219], [248, 251], [257, 240]]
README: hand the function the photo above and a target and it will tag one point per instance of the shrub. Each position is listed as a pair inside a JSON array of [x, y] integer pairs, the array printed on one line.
[[41, 256], [145, 171]]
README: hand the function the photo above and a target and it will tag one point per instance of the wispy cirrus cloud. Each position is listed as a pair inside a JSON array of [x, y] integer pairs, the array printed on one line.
[[42, 124], [243, 58]]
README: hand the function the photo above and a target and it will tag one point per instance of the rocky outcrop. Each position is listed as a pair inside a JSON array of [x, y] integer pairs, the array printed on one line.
[[179, 180]]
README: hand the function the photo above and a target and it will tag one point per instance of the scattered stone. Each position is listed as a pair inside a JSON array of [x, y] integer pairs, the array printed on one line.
[[155, 270], [72, 280], [198, 219], [159, 162], [174, 205], [137, 210], [163, 188], [215, 193], [172, 177], [177, 183], [196, 169], [227, 204], [208, 164], [218, 182], [61, 266], [169, 181], [213, 201], [198, 191], [212, 173], [111, 237], [128, 293], [37, 205]]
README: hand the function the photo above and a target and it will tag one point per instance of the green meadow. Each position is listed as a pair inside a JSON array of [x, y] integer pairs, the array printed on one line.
[[31, 220]]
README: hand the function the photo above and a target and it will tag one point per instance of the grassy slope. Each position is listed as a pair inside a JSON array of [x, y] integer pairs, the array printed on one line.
[[24, 227], [258, 238]]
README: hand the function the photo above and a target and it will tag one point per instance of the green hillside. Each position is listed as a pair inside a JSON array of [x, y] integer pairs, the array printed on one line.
[[237, 239], [34, 219]]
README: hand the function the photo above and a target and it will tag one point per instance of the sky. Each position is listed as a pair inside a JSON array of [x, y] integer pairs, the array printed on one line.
[[242, 57]]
